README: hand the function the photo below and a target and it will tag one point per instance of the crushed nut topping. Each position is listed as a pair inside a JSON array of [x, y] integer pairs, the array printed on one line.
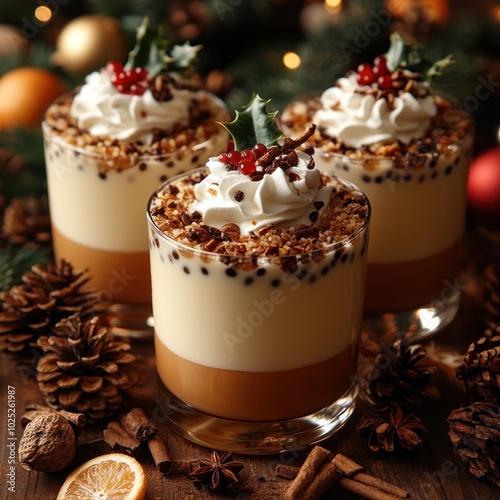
[[345, 215]]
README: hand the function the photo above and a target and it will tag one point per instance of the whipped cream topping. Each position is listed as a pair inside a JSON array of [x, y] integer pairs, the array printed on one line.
[[99, 108], [275, 199], [358, 119]]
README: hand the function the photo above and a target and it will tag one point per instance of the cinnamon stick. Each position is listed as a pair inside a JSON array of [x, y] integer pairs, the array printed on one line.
[[364, 490], [116, 436], [330, 472], [161, 455], [76, 419], [382, 485], [138, 425], [353, 470], [347, 466], [316, 458], [327, 475], [321, 471]]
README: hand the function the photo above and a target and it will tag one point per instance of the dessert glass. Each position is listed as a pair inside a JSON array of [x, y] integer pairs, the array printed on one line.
[[418, 202], [256, 354], [418, 223], [97, 194]]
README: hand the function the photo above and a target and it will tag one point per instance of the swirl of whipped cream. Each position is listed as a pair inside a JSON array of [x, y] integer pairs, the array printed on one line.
[[99, 108], [358, 119], [275, 199]]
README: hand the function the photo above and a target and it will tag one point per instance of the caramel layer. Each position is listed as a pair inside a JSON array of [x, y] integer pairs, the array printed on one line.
[[256, 396], [122, 277], [407, 285]]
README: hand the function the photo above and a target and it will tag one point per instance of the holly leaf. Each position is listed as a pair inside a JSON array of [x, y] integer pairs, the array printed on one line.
[[253, 124], [402, 54], [150, 50], [409, 56], [185, 55], [437, 68]]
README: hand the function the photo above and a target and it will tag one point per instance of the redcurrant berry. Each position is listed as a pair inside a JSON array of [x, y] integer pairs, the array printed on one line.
[[246, 167], [380, 67], [223, 158], [246, 154], [384, 82], [128, 81], [365, 74], [234, 157], [114, 67], [259, 150]]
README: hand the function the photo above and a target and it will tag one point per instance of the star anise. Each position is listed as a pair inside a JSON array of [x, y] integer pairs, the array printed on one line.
[[218, 472], [389, 429]]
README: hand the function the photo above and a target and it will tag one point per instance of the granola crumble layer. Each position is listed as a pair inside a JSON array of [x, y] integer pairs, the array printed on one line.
[[204, 111], [448, 128], [172, 214]]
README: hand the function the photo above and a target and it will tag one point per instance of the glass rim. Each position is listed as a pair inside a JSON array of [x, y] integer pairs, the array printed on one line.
[[344, 242], [48, 132]]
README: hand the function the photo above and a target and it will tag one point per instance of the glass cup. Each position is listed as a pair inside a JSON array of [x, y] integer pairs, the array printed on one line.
[[97, 205], [418, 223], [252, 358]]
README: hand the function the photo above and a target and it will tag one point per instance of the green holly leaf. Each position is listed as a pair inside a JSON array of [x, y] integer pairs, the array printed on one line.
[[409, 56], [185, 55], [402, 54], [150, 50], [437, 68], [254, 124]]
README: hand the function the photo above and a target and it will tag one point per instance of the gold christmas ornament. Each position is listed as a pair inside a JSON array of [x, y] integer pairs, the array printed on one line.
[[88, 43]]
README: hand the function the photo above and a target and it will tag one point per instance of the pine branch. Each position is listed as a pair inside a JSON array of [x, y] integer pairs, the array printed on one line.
[[15, 261], [31, 179]]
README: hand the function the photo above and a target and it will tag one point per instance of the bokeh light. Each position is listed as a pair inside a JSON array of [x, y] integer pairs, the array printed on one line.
[[291, 60]]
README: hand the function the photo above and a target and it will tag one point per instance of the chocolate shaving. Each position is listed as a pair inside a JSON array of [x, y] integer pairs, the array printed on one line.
[[186, 218], [288, 146], [307, 232]]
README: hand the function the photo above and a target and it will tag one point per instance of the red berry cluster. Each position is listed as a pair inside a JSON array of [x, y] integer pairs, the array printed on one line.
[[379, 73], [128, 81], [244, 160]]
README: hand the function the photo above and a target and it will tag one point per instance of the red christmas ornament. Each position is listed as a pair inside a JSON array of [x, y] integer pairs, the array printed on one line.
[[483, 188]]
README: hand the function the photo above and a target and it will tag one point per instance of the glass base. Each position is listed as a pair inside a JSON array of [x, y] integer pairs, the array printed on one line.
[[256, 438], [415, 325], [134, 321]]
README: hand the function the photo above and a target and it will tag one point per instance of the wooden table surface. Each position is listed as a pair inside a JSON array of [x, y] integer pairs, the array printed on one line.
[[435, 472]]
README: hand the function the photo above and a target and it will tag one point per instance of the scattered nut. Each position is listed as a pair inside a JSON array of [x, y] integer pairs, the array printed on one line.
[[48, 443]]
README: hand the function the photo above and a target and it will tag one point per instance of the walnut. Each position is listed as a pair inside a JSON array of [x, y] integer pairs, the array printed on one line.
[[48, 443]]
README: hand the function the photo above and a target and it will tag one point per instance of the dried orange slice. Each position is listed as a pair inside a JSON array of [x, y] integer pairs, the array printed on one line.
[[113, 476]]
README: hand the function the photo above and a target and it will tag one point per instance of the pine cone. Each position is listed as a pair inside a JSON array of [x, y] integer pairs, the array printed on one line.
[[396, 374], [492, 296], [47, 295], [475, 432], [480, 370], [26, 221], [84, 369]]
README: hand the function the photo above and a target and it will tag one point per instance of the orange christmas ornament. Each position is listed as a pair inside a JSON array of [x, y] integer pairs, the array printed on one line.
[[25, 94]]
